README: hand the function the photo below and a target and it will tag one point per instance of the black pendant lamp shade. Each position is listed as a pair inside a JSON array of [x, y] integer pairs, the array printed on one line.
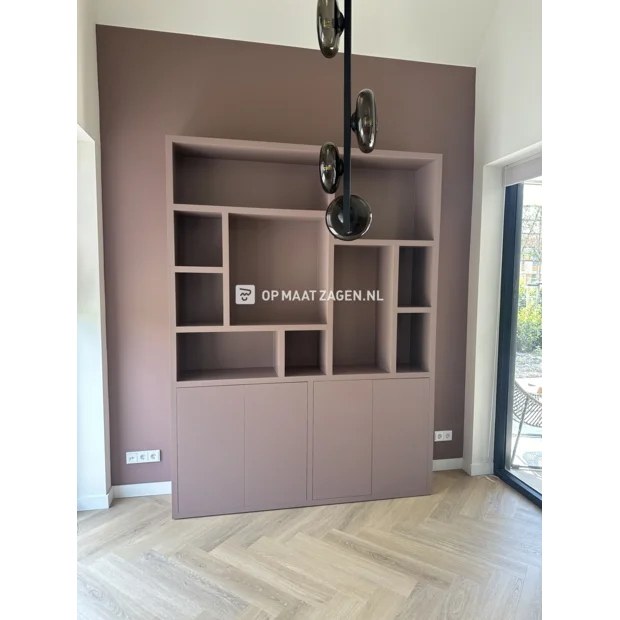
[[331, 167], [364, 121], [359, 223], [329, 26]]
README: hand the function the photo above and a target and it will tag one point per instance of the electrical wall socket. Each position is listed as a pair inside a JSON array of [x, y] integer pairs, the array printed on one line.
[[143, 456], [443, 435]]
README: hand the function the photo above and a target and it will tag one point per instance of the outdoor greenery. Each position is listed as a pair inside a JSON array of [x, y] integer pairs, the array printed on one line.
[[529, 324], [529, 318]]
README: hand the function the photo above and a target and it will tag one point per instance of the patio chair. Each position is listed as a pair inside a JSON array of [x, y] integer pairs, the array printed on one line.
[[526, 409]]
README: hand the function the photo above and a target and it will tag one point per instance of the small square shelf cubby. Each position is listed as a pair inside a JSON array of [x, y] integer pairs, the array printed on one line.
[[199, 299], [197, 240], [303, 353]]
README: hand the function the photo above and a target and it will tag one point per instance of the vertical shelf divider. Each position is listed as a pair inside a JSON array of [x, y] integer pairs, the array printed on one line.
[[226, 268], [280, 352], [386, 310], [326, 283]]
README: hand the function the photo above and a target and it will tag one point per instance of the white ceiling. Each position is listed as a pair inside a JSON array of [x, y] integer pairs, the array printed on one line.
[[438, 31]]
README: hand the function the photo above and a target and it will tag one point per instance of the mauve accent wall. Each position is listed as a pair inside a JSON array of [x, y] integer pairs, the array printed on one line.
[[152, 84]]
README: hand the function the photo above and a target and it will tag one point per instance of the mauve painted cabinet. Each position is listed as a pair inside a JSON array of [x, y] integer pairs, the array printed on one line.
[[401, 437], [210, 454], [342, 463], [276, 440], [241, 447]]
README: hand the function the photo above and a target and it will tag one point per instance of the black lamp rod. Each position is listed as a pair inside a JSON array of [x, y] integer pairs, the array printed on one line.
[[347, 115]]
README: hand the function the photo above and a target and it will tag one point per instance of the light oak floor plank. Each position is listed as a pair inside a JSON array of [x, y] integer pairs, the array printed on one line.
[[470, 550]]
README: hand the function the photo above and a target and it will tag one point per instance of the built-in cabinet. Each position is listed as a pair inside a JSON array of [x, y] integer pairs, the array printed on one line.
[[295, 401], [245, 447]]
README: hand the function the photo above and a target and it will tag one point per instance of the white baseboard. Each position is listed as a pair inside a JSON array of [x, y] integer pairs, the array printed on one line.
[[95, 502], [447, 464], [479, 469], [142, 490]]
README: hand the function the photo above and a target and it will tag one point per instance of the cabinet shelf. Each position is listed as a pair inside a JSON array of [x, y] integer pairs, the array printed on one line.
[[359, 369], [255, 212], [226, 374], [187, 269], [414, 310]]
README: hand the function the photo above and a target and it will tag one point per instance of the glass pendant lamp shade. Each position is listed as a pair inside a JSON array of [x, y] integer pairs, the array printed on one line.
[[360, 218], [329, 26], [364, 121], [331, 167]]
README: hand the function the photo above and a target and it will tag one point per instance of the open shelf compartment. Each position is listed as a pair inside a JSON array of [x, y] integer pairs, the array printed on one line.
[[414, 277], [413, 342], [199, 299], [361, 342], [304, 353], [197, 240], [282, 256], [228, 180], [403, 200], [225, 355]]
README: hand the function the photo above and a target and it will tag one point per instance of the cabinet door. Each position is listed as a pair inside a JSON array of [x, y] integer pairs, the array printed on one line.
[[401, 437], [276, 440], [210, 440], [342, 453]]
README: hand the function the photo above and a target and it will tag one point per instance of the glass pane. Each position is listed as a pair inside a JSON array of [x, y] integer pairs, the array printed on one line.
[[526, 443]]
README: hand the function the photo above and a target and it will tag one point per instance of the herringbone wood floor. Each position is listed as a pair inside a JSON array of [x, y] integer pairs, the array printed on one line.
[[470, 550]]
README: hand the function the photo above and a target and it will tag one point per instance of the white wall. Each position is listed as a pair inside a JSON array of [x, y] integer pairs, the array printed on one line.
[[438, 31], [508, 128], [87, 89], [93, 442]]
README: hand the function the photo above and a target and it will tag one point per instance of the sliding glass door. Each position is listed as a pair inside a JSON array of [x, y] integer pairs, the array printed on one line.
[[518, 424]]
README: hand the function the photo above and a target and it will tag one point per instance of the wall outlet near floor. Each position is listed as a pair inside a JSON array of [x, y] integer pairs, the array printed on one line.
[[143, 456], [443, 435]]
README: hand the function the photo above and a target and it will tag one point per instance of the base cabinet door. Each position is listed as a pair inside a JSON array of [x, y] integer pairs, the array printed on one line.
[[210, 450], [342, 441], [401, 437], [276, 444]]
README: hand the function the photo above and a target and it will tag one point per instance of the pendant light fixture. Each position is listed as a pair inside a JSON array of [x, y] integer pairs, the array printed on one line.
[[348, 217]]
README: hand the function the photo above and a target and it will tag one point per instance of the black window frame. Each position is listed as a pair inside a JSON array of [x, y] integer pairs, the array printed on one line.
[[509, 300]]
